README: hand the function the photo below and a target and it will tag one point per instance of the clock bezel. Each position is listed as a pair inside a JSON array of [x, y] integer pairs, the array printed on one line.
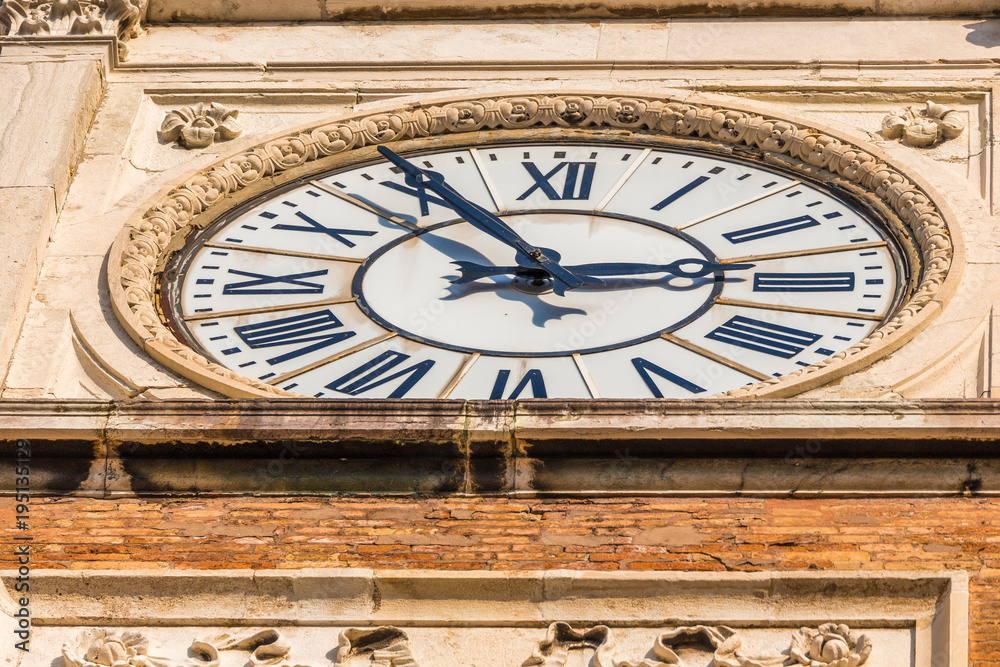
[[913, 214]]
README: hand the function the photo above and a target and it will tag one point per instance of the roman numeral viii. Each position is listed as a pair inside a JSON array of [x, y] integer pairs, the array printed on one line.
[[313, 331], [579, 179], [773, 339]]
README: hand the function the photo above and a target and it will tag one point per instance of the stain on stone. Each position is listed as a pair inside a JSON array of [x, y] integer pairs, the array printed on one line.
[[974, 482], [57, 466]]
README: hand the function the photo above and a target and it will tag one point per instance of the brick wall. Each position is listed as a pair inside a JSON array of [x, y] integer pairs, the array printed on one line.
[[498, 534]]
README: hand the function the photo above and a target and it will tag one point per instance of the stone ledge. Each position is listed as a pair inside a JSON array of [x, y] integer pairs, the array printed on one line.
[[239, 420], [322, 596], [169, 11], [710, 447]]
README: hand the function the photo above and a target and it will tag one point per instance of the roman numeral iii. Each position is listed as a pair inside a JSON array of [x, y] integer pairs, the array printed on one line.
[[804, 282]]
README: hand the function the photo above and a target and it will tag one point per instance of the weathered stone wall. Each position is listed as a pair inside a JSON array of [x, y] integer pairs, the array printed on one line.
[[622, 534]]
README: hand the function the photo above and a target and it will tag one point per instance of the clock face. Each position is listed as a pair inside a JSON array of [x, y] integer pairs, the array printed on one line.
[[699, 274]]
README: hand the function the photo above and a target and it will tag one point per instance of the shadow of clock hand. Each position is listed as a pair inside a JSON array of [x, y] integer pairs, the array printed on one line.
[[412, 219], [541, 311], [447, 247]]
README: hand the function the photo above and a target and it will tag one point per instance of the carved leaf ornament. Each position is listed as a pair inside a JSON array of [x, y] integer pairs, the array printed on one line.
[[829, 645], [924, 127], [200, 125], [141, 249]]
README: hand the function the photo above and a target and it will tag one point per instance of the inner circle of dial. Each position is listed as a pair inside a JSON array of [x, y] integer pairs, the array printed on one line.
[[406, 287]]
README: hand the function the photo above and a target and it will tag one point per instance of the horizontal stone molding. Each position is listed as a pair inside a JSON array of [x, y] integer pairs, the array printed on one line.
[[527, 599], [764, 448], [167, 11]]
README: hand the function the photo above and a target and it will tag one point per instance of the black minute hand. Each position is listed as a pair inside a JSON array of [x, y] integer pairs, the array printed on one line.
[[528, 256], [683, 268]]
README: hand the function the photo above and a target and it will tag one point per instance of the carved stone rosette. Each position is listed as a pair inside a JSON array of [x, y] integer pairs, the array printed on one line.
[[34, 18], [924, 127], [374, 647], [141, 249], [200, 125]]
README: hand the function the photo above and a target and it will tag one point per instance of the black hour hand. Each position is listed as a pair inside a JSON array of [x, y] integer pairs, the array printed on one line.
[[682, 268]]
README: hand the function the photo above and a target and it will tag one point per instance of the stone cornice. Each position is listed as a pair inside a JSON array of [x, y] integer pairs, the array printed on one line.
[[765, 448], [218, 11], [235, 420]]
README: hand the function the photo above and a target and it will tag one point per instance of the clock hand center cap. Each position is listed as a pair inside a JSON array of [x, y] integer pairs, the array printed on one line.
[[533, 279]]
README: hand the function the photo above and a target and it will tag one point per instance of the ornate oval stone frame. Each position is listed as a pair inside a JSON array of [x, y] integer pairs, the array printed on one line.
[[142, 249]]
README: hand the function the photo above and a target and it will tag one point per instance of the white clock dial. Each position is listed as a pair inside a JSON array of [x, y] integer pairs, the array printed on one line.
[[698, 274]]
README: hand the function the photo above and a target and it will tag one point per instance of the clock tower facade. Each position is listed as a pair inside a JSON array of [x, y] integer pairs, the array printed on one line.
[[661, 337]]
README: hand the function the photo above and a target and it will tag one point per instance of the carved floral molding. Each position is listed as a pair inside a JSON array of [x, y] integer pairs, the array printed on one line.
[[829, 645], [924, 126], [36, 18], [142, 245], [200, 125]]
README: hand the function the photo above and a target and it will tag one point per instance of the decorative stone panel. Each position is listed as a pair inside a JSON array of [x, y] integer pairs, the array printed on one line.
[[355, 618], [43, 18]]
